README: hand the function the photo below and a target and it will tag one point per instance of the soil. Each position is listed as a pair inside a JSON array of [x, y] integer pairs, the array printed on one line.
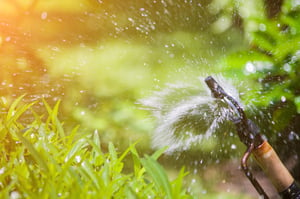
[[235, 181]]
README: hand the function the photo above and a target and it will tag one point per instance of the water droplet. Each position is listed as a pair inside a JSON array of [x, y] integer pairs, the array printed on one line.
[[2, 170], [262, 27], [248, 173], [15, 195], [55, 49], [287, 67], [131, 20], [293, 136], [44, 15], [78, 158], [250, 67]]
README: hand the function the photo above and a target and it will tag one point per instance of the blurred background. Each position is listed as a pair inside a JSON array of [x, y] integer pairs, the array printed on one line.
[[101, 57]]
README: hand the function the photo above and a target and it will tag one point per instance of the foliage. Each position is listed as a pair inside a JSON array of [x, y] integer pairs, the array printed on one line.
[[99, 57], [271, 66], [41, 160]]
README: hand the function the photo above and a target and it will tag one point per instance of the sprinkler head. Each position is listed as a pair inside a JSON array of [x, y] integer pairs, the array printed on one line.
[[248, 132], [216, 90], [219, 93]]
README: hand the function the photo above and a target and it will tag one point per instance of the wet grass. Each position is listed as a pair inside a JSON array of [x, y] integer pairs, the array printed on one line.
[[41, 160]]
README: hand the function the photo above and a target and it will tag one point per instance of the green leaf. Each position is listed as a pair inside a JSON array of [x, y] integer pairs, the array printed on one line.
[[41, 162], [264, 41], [158, 175], [87, 168], [112, 152], [13, 106], [177, 184], [159, 152], [77, 147], [53, 117], [297, 103], [16, 110], [138, 170]]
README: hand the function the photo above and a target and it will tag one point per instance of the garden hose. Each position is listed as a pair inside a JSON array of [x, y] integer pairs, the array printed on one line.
[[263, 152]]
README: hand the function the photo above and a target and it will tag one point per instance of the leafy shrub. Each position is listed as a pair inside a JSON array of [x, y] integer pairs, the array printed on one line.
[[272, 67], [41, 160]]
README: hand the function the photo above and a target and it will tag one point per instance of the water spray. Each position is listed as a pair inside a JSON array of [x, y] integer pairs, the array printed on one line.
[[263, 152]]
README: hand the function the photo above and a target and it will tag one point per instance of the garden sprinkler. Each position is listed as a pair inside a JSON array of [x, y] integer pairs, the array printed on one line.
[[264, 154]]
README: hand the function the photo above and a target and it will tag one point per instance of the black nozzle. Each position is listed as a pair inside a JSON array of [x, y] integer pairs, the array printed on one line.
[[248, 132], [216, 90]]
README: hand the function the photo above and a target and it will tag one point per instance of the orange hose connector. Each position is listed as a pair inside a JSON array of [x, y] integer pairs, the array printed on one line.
[[269, 161]]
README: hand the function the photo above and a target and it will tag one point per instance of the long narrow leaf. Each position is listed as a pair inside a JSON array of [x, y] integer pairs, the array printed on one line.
[[76, 148], [13, 106], [89, 171], [159, 152], [15, 112], [158, 174], [33, 152]]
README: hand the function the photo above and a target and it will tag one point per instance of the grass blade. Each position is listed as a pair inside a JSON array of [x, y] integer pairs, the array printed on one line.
[[158, 174], [33, 152]]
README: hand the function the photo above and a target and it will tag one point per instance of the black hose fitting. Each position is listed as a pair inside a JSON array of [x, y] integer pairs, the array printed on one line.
[[248, 133], [293, 192]]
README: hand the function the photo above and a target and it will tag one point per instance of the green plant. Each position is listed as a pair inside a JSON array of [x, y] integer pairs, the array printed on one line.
[[272, 61], [270, 67], [41, 160]]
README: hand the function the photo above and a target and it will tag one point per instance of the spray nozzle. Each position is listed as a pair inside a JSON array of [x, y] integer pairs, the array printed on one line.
[[218, 92], [248, 132], [216, 89]]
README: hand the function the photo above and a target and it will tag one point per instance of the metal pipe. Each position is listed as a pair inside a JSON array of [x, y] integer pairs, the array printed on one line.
[[248, 173]]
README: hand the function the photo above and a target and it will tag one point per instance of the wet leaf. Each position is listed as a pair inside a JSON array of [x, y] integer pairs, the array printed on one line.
[[158, 174]]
